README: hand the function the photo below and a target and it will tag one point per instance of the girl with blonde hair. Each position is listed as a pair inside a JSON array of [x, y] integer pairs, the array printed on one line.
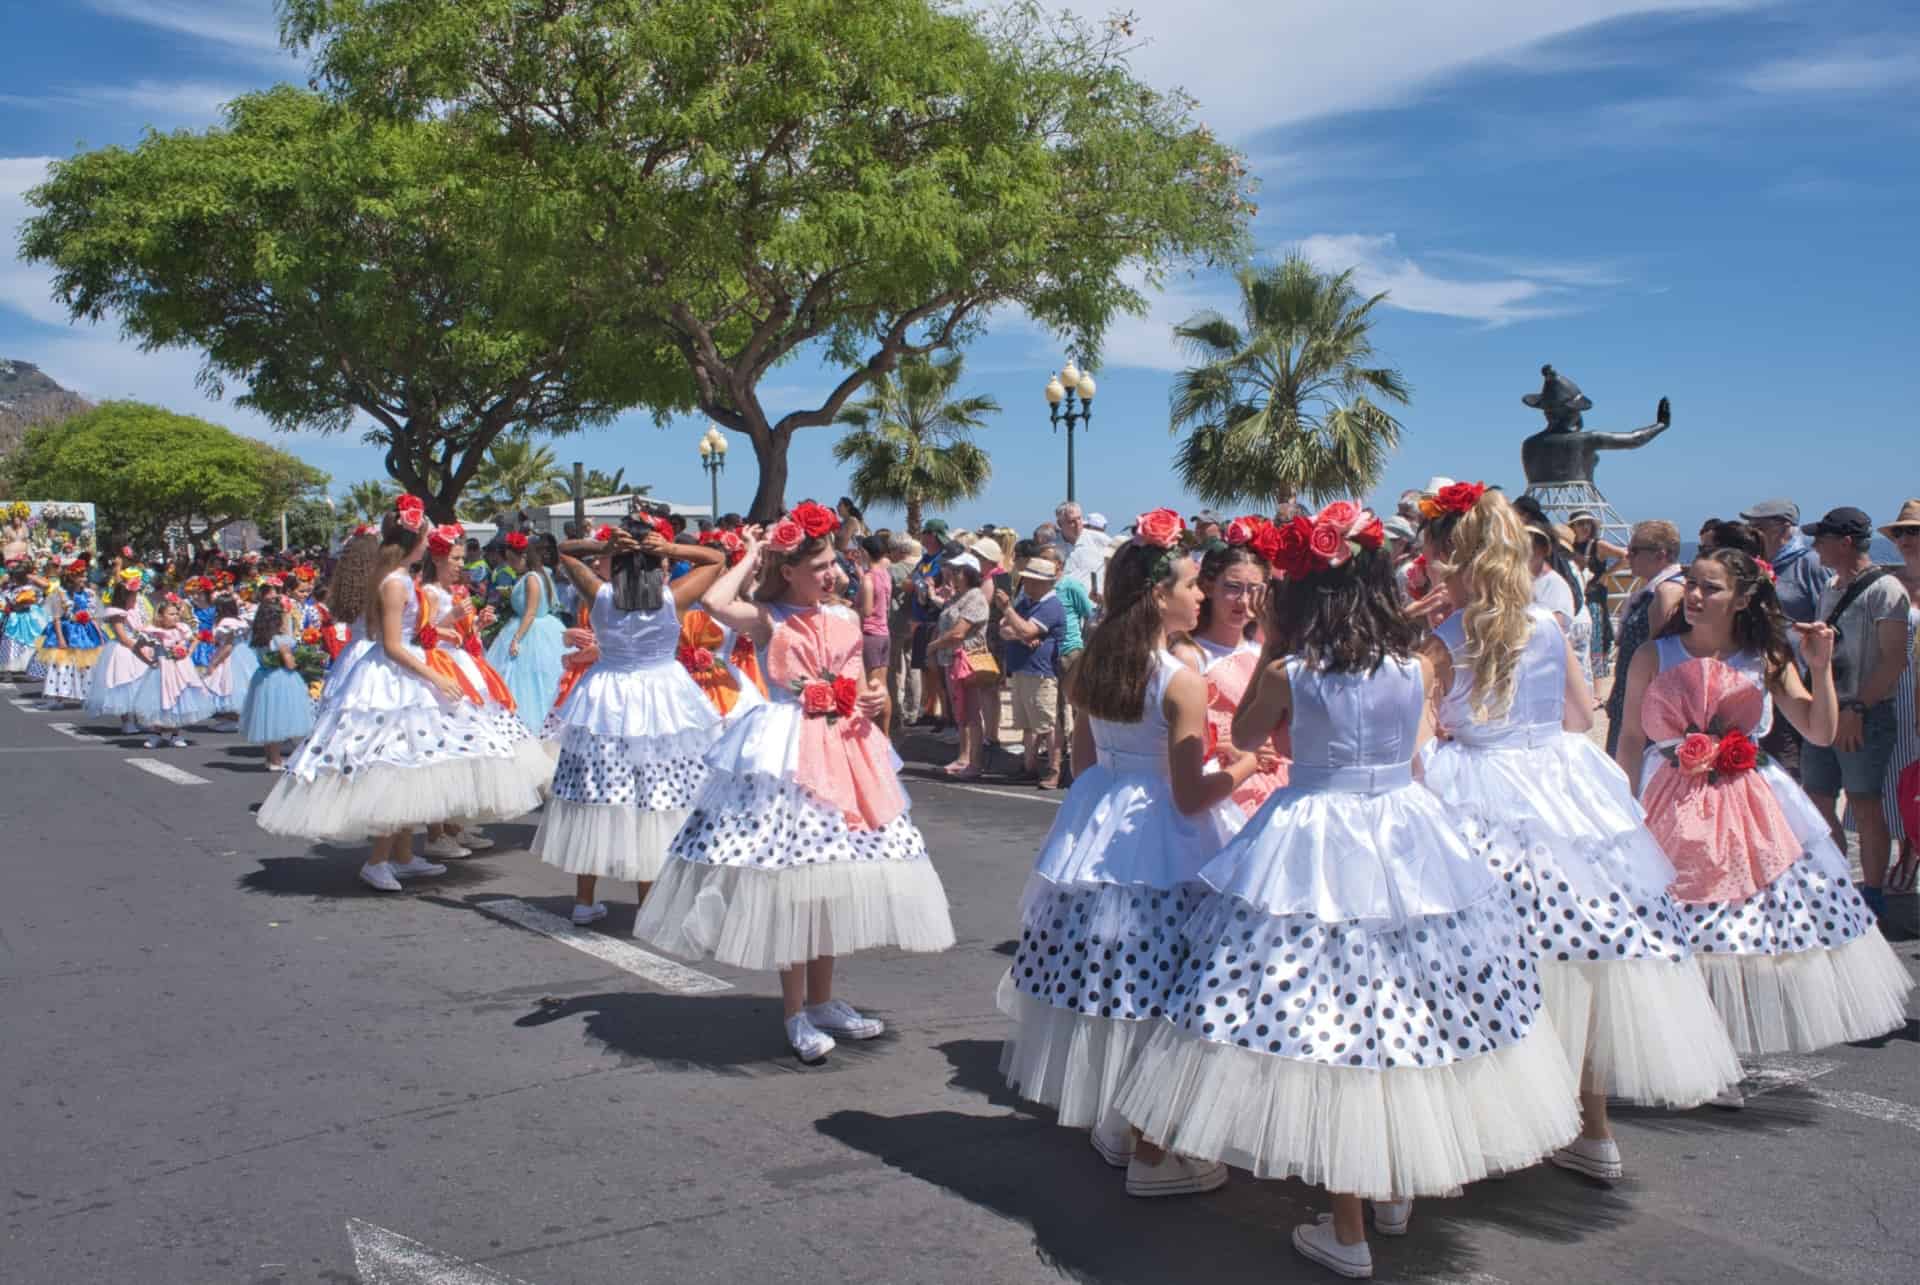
[[1555, 819]]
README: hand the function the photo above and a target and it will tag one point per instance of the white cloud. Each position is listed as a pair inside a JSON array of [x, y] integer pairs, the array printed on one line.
[[23, 286], [172, 103], [1379, 264], [1842, 71], [1147, 343], [248, 28]]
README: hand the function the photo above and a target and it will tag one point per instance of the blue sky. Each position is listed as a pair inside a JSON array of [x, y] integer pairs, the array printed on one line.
[[1709, 201]]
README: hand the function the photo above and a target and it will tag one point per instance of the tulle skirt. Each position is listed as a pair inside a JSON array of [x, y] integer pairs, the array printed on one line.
[[20, 638], [111, 685], [230, 680], [277, 708], [192, 704], [534, 675], [64, 671]]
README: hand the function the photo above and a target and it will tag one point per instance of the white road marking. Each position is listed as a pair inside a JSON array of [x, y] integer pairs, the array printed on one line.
[[657, 969], [1884, 1110], [1030, 796], [68, 729], [1786, 1073], [1797, 1072], [168, 772], [383, 1257]]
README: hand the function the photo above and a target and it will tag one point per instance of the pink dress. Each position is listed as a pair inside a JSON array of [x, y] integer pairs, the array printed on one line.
[[1229, 671], [800, 843], [1793, 958]]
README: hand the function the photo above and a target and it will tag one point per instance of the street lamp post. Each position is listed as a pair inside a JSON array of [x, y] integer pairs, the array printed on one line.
[[1070, 402], [713, 459]]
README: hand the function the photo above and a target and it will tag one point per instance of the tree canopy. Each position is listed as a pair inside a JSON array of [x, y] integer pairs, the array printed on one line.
[[146, 469], [910, 440], [1288, 403], [349, 270], [766, 180]]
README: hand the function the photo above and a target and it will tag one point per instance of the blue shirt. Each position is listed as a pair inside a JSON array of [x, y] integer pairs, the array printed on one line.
[[1037, 658], [1799, 580], [925, 575]]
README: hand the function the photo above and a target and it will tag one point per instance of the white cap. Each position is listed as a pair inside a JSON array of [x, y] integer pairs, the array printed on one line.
[[1098, 521], [1436, 484]]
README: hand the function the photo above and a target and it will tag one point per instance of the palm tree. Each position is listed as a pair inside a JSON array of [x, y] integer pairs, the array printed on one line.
[[600, 485], [1283, 409], [910, 441], [369, 501], [518, 474]]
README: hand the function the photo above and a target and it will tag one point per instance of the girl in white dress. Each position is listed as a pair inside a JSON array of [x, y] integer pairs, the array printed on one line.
[[1557, 821], [632, 729], [800, 846], [1099, 924], [1358, 1008], [398, 744]]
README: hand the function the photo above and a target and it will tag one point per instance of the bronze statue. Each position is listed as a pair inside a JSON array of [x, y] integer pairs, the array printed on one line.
[[1564, 451]]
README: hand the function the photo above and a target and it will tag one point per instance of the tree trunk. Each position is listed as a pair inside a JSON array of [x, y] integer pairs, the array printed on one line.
[[770, 495], [913, 515]]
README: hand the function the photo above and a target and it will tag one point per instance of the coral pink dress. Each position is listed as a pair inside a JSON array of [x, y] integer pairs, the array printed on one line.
[[800, 844], [1229, 670], [1792, 956]]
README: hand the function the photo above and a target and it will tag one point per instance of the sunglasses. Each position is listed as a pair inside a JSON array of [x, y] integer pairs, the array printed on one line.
[[1902, 532]]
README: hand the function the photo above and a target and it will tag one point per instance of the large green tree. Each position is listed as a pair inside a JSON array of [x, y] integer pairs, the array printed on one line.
[[348, 272], [854, 181], [1288, 402], [146, 470], [910, 440]]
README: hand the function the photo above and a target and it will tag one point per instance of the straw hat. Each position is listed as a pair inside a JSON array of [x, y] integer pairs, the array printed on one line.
[[1909, 517]]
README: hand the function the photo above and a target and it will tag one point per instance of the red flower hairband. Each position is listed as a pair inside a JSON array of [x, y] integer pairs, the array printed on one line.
[[442, 540], [726, 540], [1452, 500], [412, 511], [808, 521], [1328, 540], [517, 541]]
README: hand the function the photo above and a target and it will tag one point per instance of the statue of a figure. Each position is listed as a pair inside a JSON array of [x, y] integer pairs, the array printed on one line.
[[1564, 451]]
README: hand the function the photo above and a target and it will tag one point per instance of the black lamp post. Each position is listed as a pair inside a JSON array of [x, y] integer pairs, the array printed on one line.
[[1070, 402], [713, 459]]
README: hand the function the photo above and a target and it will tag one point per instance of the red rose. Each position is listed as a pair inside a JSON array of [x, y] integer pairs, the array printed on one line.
[[786, 536], [815, 519], [1240, 531], [846, 693], [412, 511], [205, 636], [664, 529], [816, 698], [1266, 543], [603, 534], [178, 653], [1160, 528], [1460, 497], [1340, 513], [1736, 754], [428, 637], [1328, 543], [702, 659], [1696, 753], [83, 617], [1371, 536], [1293, 558], [517, 541]]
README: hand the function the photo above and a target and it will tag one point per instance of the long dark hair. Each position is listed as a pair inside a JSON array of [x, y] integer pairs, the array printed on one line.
[[267, 619], [226, 607], [1342, 620], [1219, 560], [1760, 626], [1736, 535], [1110, 679]]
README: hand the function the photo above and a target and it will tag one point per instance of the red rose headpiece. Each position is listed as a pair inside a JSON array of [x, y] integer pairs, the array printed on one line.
[[1452, 500], [1327, 541], [412, 511], [726, 540], [517, 541], [443, 540], [305, 571], [815, 519], [1244, 531]]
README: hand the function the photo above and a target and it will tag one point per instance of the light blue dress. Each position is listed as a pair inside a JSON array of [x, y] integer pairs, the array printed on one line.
[[534, 675], [23, 631], [277, 708]]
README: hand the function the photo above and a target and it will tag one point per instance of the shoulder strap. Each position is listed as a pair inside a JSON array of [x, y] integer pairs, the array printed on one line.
[[1861, 583]]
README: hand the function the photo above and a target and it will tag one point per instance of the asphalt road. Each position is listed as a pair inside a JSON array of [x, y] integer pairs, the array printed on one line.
[[225, 1060]]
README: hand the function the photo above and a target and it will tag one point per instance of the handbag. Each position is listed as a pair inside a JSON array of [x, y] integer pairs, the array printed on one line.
[[982, 670], [1901, 874]]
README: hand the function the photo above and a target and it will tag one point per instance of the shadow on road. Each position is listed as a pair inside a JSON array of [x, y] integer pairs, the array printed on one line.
[[731, 1034], [335, 872], [1908, 1034], [976, 1069]]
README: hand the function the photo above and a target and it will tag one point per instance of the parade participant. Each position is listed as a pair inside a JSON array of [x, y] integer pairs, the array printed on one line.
[[172, 696], [1356, 1008], [351, 588], [1556, 820], [1098, 938], [202, 616], [70, 644], [1234, 579], [526, 651], [397, 744], [720, 660], [123, 663], [1792, 955], [635, 724], [230, 670], [23, 602], [874, 601], [277, 710], [800, 846]]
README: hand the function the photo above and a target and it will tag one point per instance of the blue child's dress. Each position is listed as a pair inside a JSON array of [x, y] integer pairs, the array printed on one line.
[[533, 676], [278, 708], [172, 695]]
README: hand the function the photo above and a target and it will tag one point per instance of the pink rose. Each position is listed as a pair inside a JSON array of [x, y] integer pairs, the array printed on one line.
[[1695, 753], [817, 698], [1369, 533], [1340, 514], [1239, 532], [702, 659], [1160, 528], [786, 536], [1328, 543]]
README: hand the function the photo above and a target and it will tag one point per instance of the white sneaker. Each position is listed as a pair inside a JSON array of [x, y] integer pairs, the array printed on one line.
[[1390, 1217], [179, 742], [152, 742], [1730, 1100], [379, 874], [810, 1042], [414, 867], [447, 848], [837, 1017], [472, 840], [1315, 1240], [584, 915], [1597, 1158], [1113, 1139], [1174, 1176]]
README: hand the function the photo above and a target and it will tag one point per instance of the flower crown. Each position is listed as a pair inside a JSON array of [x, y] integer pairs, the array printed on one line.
[[726, 540], [19, 511], [1452, 501], [1160, 529], [808, 521], [517, 541], [1327, 541], [411, 510], [442, 540]]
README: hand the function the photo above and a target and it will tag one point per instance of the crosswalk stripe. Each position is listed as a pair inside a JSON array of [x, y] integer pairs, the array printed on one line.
[[657, 969], [168, 772]]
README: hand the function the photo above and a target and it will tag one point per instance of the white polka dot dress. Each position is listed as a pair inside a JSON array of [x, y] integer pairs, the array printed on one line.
[[1801, 964], [783, 859], [631, 735], [1555, 819], [389, 753], [1100, 924], [1358, 1006]]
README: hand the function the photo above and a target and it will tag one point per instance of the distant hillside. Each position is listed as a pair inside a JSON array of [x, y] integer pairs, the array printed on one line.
[[28, 397]]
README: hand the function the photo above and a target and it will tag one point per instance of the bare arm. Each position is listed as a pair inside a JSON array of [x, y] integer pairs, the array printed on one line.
[[1439, 665], [286, 657], [392, 604], [1577, 715], [534, 593], [1263, 708], [725, 605], [1880, 684], [1631, 751], [574, 556], [708, 562], [1666, 601], [1814, 710], [1194, 788]]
